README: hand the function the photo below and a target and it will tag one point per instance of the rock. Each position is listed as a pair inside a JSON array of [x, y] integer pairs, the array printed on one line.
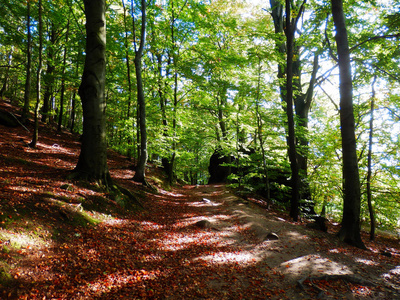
[[205, 200], [219, 167], [8, 119], [272, 236], [203, 224], [318, 224]]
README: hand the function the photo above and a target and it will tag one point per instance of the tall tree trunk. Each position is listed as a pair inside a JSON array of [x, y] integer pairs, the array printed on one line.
[[25, 110], [369, 173], [92, 163], [140, 169], [294, 203], [278, 18], [38, 79], [302, 103], [128, 72], [49, 77], [286, 88], [73, 99], [71, 124], [260, 136], [350, 227], [61, 112]]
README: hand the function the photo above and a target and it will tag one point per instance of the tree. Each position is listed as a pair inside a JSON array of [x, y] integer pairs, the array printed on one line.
[[140, 168], [25, 111], [92, 162], [46, 110], [350, 226], [61, 112], [369, 164], [286, 89], [38, 78]]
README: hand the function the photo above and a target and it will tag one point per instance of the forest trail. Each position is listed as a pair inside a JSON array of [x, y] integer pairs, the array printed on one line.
[[61, 239]]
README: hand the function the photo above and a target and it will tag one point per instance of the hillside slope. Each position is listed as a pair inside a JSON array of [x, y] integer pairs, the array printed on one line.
[[64, 239]]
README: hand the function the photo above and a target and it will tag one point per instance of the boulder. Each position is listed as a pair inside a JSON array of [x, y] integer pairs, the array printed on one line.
[[8, 119]]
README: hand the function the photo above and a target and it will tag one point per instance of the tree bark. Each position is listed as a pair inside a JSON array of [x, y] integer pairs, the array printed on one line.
[[25, 110], [92, 163], [260, 136], [7, 73], [350, 227], [369, 173], [38, 79], [140, 169], [128, 72], [294, 203], [61, 112], [49, 77]]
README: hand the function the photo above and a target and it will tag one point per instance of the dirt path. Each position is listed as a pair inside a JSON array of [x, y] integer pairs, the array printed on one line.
[[277, 265]]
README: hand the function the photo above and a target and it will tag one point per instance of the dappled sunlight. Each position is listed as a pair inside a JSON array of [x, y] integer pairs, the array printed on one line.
[[367, 262], [150, 226], [190, 220], [239, 257], [337, 250], [393, 272], [116, 280], [204, 203], [23, 189], [23, 241], [122, 174], [179, 241], [54, 148], [115, 221], [313, 264], [170, 194], [295, 235]]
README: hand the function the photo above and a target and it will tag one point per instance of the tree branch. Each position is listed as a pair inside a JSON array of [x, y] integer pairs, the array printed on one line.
[[388, 36]]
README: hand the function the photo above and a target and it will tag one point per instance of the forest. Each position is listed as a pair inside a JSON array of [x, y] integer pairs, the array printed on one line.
[[292, 102]]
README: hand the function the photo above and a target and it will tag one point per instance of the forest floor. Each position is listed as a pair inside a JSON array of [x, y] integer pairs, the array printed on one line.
[[65, 239]]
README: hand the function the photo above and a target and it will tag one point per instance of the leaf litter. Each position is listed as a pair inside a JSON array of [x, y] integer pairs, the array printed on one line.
[[157, 252]]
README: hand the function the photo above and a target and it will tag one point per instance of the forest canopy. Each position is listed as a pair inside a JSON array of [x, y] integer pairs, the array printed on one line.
[[214, 77]]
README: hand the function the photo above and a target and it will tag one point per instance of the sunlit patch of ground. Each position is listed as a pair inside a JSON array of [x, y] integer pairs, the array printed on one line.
[[313, 265]]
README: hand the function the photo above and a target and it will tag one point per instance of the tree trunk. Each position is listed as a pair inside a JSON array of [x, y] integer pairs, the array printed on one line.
[[128, 72], [260, 136], [92, 163], [38, 79], [72, 113], [49, 77], [140, 169], [294, 203], [7, 73], [73, 99], [61, 112], [25, 110], [350, 227], [369, 173], [302, 102]]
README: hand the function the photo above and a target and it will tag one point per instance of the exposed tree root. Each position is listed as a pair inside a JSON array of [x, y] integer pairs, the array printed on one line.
[[107, 184], [129, 194]]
